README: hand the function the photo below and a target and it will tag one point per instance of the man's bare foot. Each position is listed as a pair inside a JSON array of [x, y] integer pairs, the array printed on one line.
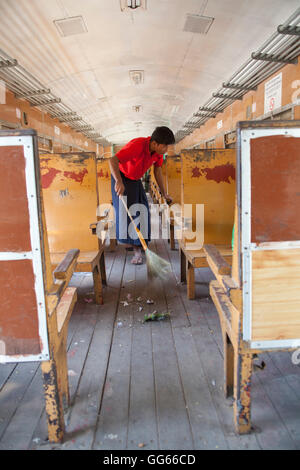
[[137, 256]]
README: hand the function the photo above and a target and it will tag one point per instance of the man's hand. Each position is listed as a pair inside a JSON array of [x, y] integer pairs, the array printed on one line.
[[114, 168], [119, 188], [168, 199]]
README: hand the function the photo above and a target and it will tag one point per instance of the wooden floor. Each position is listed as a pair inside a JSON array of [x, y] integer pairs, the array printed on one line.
[[154, 385]]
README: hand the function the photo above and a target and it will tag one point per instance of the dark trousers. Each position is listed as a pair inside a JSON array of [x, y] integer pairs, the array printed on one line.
[[137, 204]]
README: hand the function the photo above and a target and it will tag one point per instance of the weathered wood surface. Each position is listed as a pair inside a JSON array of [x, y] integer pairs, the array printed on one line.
[[275, 294], [60, 271], [156, 384]]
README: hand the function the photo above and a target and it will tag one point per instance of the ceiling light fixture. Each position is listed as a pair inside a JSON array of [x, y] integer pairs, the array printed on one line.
[[133, 4], [136, 76]]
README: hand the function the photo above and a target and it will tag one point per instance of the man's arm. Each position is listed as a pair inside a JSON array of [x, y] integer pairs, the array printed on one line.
[[160, 181], [114, 168]]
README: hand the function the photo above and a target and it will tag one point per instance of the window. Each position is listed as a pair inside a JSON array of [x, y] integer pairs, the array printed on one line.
[[210, 144], [44, 144], [230, 140]]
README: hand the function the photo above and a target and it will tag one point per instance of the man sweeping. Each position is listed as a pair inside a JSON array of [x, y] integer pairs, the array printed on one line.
[[127, 168]]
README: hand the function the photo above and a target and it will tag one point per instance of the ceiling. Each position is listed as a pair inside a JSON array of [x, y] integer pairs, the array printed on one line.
[[89, 70]]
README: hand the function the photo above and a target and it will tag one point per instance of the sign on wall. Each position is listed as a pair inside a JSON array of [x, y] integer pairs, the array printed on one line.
[[273, 93]]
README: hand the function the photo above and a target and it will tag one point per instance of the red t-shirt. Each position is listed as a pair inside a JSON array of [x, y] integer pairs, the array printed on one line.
[[135, 158]]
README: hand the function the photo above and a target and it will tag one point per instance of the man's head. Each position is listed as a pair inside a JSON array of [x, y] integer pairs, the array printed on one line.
[[160, 139]]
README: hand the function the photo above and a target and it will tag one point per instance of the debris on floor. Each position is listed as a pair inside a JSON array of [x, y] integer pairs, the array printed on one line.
[[156, 316], [149, 301]]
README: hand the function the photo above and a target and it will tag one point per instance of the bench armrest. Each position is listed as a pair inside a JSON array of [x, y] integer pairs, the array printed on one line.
[[216, 260], [63, 269]]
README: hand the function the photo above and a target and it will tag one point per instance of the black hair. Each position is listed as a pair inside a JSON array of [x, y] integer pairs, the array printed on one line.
[[163, 135]]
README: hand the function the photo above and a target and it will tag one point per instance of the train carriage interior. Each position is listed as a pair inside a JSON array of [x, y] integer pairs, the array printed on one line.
[[193, 342]]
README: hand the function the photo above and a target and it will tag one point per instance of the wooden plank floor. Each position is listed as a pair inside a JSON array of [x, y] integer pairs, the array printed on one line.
[[155, 385]]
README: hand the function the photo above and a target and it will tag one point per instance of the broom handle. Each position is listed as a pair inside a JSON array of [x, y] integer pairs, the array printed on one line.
[[144, 244]]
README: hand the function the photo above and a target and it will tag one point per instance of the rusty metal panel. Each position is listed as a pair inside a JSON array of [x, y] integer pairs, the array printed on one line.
[[275, 189], [14, 212], [18, 312], [23, 325], [269, 205]]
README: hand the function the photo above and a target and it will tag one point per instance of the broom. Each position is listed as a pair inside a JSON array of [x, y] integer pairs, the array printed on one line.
[[157, 266]]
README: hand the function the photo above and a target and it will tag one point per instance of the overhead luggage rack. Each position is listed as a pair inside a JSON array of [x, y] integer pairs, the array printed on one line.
[[283, 47], [26, 86]]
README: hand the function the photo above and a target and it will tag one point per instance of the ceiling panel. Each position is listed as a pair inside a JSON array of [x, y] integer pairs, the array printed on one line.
[[90, 71]]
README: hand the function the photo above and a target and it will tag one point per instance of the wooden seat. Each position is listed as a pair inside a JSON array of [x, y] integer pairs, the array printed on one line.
[[89, 261], [258, 302], [70, 191], [192, 259], [39, 301], [207, 179]]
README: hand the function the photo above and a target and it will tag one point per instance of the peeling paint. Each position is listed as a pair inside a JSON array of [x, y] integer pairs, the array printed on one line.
[[219, 174], [47, 178], [196, 172], [78, 177], [53, 408], [101, 174], [242, 412], [45, 160]]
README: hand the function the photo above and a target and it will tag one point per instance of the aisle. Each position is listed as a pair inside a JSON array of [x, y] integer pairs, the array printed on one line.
[[153, 385]]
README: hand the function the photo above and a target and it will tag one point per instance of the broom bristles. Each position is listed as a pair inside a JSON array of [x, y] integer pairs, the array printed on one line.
[[157, 266]]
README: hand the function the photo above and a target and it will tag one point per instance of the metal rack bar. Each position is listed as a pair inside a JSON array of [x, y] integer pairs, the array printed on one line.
[[283, 45], [25, 85]]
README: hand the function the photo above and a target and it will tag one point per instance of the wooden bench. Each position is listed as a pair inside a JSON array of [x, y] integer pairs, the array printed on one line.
[[193, 259], [207, 178], [38, 301], [258, 302], [70, 192]]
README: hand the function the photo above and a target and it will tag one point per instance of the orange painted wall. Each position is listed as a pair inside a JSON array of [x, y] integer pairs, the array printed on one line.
[[70, 194], [45, 125], [237, 111]]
